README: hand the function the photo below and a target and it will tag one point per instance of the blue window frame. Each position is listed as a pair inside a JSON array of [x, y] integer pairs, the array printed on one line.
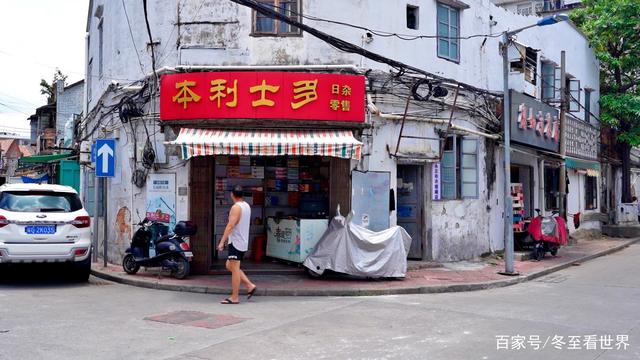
[[448, 32], [459, 168]]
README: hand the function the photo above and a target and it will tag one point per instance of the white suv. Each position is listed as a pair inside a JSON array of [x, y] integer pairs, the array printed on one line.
[[44, 223]]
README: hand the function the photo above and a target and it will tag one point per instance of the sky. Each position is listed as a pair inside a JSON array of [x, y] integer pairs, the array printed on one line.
[[36, 37]]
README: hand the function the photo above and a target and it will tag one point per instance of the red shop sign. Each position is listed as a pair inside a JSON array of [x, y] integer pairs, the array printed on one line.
[[262, 95]]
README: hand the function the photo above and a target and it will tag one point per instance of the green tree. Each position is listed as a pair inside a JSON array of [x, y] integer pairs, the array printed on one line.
[[613, 28], [49, 89]]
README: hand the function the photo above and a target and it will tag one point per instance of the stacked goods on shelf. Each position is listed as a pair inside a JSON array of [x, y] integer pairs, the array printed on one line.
[[517, 193]]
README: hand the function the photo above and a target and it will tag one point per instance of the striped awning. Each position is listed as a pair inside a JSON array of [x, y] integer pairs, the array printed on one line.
[[334, 143]]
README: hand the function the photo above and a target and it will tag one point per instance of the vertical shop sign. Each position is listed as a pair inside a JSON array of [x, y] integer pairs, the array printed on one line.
[[435, 182]]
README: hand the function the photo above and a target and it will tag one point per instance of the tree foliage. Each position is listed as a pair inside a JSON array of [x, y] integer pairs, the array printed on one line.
[[49, 89], [613, 29]]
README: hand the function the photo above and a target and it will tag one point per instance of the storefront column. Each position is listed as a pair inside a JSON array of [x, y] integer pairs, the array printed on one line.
[[200, 211], [340, 186]]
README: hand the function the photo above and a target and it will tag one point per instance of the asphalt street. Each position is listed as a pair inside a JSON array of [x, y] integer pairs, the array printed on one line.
[[43, 317]]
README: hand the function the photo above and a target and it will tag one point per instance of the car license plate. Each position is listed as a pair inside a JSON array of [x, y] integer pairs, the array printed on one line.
[[188, 254], [40, 229]]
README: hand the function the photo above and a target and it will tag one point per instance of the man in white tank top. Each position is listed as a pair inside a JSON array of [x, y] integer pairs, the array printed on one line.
[[237, 232]]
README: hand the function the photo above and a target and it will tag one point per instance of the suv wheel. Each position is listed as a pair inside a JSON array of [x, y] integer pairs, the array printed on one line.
[[82, 269]]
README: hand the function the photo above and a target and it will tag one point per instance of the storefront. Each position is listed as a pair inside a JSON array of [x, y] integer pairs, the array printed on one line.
[[583, 172], [287, 138], [535, 160]]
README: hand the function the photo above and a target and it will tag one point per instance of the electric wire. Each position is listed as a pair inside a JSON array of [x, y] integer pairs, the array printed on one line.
[[352, 48], [124, 7]]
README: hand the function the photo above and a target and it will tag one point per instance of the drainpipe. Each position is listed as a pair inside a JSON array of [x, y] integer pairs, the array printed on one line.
[[541, 204]]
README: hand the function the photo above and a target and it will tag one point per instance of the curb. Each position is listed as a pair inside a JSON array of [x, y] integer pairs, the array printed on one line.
[[432, 289]]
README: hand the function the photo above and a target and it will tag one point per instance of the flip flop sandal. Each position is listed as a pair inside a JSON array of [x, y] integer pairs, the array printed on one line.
[[229, 302], [250, 293]]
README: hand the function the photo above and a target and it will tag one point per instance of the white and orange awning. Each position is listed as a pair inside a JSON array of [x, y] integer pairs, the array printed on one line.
[[334, 143]]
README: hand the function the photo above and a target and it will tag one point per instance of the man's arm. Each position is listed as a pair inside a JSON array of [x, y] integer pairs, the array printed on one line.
[[234, 217]]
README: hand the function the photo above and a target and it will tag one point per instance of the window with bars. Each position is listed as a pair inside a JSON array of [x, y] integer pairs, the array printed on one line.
[[573, 85], [448, 32], [591, 193], [548, 80], [587, 105], [459, 167], [266, 26], [551, 188]]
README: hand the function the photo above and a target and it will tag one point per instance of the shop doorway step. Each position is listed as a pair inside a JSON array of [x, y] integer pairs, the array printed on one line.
[[266, 267]]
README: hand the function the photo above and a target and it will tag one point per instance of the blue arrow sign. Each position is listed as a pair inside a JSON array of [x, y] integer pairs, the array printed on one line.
[[105, 157]]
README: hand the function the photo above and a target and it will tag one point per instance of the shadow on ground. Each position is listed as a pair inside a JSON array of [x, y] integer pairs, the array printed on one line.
[[37, 275]]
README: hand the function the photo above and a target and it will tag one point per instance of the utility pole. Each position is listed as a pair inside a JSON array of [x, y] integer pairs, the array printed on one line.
[[508, 200], [563, 147], [506, 121]]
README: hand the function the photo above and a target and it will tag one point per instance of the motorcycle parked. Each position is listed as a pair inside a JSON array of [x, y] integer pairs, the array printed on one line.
[[548, 233], [172, 252]]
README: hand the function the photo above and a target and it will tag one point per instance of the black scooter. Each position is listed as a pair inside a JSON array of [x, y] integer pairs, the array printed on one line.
[[172, 252]]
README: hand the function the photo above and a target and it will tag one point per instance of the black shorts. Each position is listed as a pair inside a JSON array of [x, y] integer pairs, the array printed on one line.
[[235, 254]]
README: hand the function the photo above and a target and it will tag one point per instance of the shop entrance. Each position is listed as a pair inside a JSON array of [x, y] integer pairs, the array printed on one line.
[[522, 177], [293, 180], [289, 199], [411, 206]]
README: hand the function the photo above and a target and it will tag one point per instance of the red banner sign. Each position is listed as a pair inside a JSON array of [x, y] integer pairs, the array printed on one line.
[[262, 95]]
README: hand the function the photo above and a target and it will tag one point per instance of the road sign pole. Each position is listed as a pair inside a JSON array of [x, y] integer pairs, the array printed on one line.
[[104, 217], [105, 167], [96, 228]]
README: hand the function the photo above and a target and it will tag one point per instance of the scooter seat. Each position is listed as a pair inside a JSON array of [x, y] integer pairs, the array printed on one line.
[[162, 238]]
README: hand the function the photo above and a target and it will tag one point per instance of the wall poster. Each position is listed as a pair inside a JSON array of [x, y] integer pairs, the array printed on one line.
[[161, 199], [370, 199]]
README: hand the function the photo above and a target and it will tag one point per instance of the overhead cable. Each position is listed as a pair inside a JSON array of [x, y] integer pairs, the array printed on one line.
[[352, 48]]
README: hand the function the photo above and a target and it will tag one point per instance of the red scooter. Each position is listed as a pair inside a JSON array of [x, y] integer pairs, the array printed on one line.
[[549, 233]]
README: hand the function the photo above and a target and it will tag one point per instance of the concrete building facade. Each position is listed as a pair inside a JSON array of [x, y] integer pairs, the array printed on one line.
[[458, 218]]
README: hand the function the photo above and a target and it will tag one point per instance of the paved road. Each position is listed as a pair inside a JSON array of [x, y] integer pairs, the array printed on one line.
[[50, 319]]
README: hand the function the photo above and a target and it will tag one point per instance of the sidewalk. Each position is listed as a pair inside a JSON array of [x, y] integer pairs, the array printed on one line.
[[451, 277]]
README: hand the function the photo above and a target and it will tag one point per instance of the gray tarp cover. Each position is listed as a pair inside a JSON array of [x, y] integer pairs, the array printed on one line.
[[354, 250]]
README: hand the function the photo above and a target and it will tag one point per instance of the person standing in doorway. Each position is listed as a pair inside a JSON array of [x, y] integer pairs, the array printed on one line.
[[237, 233]]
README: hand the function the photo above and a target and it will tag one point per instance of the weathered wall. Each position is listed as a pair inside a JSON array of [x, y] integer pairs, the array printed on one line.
[[126, 202], [460, 229], [225, 39], [217, 32], [463, 229], [576, 203], [69, 102]]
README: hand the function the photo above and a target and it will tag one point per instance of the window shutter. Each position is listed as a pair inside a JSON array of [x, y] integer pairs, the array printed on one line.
[[574, 98], [557, 84], [587, 105], [448, 175], [469, 168], [548, 81]]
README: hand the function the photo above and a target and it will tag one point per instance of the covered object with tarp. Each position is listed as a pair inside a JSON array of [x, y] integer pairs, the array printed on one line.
[[351, 249]]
